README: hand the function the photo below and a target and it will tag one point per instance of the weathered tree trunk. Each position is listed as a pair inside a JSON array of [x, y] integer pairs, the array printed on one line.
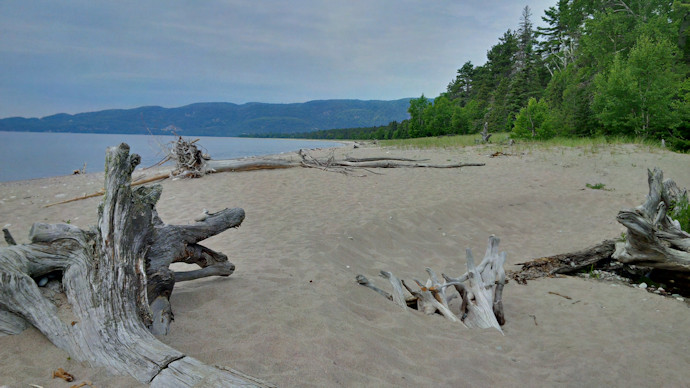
[[106, 319], [480, 289], [653, 238]]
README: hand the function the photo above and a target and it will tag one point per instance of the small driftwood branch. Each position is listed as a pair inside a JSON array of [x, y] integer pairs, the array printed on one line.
[[398, 295], [101, 192], [8, 237], [378, 159], [480, 289], [390, 164]]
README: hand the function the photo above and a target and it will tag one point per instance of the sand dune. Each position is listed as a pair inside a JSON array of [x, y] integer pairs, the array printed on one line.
[[293, 315]]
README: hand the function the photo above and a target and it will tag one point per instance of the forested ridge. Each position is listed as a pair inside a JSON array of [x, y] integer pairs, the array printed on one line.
[[596, 68], [219, 118]]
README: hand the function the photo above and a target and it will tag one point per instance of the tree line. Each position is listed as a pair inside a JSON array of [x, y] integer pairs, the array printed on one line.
[[597, 68]]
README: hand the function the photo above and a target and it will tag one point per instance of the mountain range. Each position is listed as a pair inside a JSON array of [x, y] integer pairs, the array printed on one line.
[[221, 118]]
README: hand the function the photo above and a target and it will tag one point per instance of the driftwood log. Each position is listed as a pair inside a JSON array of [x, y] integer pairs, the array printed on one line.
[[654, 243], [347, 165], [479, 290], [191, 162], [328, 164], [653, 238], [98, 307]]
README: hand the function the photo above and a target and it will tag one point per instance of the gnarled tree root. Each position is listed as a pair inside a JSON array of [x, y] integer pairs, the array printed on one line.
[[104, 270], [480, 290]]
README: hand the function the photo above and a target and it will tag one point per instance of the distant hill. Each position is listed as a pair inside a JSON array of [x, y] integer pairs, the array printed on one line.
[[221, 118]]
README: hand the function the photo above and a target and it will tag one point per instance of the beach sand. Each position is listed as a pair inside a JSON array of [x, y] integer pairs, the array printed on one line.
[[292, 313]]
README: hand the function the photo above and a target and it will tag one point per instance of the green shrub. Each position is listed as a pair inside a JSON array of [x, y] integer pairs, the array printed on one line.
[[534, 121], [680, 211], [679, 145], [597, 186]]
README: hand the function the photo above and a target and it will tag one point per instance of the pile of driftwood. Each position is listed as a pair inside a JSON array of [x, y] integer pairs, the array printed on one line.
[[654, 246], [479, 290], [189, 160]]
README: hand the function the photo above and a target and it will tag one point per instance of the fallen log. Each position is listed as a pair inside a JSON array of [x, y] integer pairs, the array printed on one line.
[[565, 263], [333, 164], [654, 244], [234, 165], [108, 275], [392, 164], [376, 159], [480, 290]]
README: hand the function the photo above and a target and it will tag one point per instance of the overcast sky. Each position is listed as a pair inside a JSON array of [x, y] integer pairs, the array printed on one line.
[[86, 55]]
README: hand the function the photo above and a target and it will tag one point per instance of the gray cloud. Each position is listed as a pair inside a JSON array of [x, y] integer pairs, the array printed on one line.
[[87, 55]]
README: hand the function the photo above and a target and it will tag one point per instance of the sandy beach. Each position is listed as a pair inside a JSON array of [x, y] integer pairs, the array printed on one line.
[[293, 315]]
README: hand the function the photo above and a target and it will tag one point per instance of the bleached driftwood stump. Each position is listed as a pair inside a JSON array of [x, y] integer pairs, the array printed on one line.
[[480, 289], [654, 239], [109, 274]]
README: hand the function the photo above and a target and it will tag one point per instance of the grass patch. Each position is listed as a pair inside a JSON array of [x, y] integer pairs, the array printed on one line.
[[680, 211], [456, 141], [592, 144], [597, 186]]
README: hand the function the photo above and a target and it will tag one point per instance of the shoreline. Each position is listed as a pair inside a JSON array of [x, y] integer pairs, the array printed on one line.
[[292, 313], [61, 153]]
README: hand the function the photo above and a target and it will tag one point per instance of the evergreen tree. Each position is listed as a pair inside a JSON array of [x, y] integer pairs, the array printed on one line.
[[460, 88]]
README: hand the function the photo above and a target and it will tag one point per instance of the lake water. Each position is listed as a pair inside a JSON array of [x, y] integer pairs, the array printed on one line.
[[29, 155]]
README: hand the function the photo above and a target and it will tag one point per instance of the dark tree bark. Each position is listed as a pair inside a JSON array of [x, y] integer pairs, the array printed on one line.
[[107, 317], [565, 263]]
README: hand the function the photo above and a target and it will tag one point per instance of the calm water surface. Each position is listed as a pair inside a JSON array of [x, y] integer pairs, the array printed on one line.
[[29, 155]]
